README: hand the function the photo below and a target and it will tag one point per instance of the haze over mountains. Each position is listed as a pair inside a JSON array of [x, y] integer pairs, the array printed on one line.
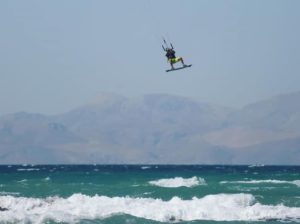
[[156, 128]]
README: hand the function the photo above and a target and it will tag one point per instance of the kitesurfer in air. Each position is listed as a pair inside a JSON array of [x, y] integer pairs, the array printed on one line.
[[172, 57]]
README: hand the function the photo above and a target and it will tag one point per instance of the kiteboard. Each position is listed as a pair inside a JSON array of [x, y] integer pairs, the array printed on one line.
[[175, 69]]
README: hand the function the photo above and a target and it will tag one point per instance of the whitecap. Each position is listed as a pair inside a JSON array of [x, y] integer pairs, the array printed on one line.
[[244, 189], [179, 182], [22, 181], [8, 193], [29, 169], [256, 165], [47, 179], [220, 207], [295, 182], [145, 167]]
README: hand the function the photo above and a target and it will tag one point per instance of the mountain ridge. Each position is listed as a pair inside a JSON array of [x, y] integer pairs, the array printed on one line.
[[156, 128]]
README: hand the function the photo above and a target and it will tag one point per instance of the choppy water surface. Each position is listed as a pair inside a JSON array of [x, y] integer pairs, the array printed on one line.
[[149, 194]]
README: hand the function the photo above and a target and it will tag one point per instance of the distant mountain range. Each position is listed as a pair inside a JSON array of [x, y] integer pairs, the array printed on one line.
[[156, 128]]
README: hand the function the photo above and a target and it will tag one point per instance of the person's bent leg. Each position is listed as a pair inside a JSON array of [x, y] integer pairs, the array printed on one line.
[[182, 62]]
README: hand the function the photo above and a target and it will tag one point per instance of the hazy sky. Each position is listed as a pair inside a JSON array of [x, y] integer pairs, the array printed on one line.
[[59, 54]]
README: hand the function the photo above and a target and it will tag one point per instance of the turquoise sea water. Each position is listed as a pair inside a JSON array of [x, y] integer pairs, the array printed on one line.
[[149, 194]]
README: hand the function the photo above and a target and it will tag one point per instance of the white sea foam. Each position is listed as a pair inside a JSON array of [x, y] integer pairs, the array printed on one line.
[[47, 179], [22, 181], [256, 165], [295, 182], [179, 182], [8, 193], [145, 167], [221, 207], [29, 169]]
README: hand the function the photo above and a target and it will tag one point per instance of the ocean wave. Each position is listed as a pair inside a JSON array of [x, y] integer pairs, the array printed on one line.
[[145, 167], [295, 182], [47, 179], [22, 181], [220, 207], [29, 169], [8, 193], [256, 165], [179, 182]]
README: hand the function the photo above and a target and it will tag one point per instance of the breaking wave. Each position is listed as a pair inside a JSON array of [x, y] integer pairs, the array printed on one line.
[[179, 182], [220, 207], [295, 182], [28, 169]]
